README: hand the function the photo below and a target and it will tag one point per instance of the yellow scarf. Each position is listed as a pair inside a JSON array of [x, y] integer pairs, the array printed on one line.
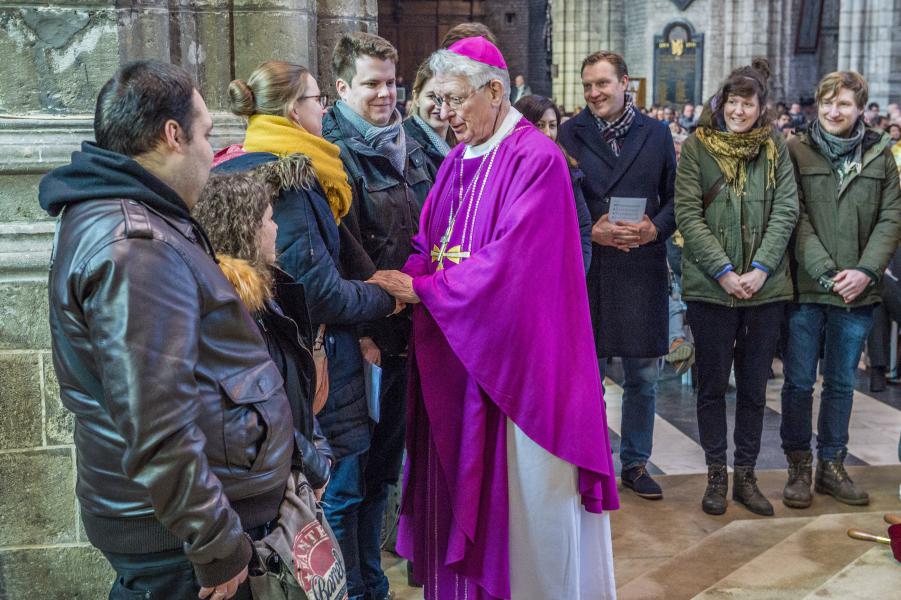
[[733, 151], [278, 135]]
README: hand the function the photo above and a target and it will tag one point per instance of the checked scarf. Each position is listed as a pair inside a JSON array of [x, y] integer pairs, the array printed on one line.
[[614, 133]]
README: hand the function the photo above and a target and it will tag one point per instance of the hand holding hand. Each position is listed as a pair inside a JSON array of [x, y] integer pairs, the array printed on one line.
[[399, 285], [646, 230], [752, 281], [226, 590], [850, 283], [616, 235], [731, 282]]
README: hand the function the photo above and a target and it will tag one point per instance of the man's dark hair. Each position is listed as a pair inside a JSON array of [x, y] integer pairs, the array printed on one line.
[[352, 46], [470, 29], [134, 105]]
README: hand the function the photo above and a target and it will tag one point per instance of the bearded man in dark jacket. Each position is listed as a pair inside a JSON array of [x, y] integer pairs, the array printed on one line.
[[183, 435]]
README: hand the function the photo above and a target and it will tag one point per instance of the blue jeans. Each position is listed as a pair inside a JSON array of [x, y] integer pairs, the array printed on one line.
[[341, 505], [843, 332], [382, 470], [639, 394]]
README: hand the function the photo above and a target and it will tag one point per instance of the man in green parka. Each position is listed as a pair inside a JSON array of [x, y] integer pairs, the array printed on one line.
[[848, 229]]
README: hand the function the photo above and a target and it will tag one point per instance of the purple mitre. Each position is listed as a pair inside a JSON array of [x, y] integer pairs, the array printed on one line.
[[480, 50]]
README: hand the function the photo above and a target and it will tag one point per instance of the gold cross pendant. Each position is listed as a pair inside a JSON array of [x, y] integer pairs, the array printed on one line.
[[454, 254]]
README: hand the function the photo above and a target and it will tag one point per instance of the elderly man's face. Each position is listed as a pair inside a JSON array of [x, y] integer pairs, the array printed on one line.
[[472, 113]]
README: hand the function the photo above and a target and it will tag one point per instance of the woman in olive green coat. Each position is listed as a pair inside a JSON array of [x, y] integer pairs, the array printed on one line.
[[736, 206]]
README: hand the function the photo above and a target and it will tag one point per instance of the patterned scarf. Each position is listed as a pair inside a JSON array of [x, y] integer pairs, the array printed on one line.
[[733, 151], [614, 133], [845, 153], [437, 141], [388, 140], [278, 135]]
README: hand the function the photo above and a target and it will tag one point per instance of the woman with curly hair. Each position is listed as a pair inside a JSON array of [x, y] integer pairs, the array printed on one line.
[[544, 114], [236, 213], [736, 206]]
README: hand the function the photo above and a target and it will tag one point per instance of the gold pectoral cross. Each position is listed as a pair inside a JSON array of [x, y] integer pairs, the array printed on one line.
[[454, 254]]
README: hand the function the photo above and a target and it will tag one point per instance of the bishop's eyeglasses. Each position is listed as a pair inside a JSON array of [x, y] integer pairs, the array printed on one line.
[[456, 102]]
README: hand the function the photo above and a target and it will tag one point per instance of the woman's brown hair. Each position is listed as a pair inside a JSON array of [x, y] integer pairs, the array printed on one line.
[[746, 81], [231, 209], [271, 89], [423, 74]]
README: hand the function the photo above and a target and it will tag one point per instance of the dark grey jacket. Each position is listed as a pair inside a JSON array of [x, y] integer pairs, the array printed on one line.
[[182, 429], [384, 215]]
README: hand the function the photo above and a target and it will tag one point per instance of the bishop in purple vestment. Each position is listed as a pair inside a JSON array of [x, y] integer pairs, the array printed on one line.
[[509, 473]]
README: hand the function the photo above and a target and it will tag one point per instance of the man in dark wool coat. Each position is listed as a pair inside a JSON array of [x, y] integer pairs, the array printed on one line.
[[625, 154]]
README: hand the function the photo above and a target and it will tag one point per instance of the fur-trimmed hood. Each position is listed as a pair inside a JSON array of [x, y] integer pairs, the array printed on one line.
[[253, 286]]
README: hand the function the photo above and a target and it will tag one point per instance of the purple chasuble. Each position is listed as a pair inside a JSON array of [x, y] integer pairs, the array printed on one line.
[[502, 333]]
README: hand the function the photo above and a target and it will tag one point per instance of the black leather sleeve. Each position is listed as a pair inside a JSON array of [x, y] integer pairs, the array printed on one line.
[[317, 456], [142, 308]]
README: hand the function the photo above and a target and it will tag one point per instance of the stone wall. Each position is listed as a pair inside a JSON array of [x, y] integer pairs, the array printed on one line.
[[56, 57], [870, 42]]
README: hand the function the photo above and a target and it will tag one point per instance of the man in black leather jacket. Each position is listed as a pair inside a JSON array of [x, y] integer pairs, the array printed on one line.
[[182, 443]]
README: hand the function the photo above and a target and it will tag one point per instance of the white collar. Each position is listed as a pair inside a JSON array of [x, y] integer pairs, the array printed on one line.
[[513, 117]]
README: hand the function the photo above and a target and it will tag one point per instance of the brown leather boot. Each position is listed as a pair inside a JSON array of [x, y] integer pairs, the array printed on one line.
[[832, 479], [745, 490], [796, 493]]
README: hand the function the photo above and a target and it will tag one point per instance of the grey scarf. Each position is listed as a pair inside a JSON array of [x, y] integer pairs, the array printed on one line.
[[845, 153], [437, 141], [388, 140]]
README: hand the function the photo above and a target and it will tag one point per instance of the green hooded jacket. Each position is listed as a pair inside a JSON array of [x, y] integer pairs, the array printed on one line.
[[754, 226], [852, 226]]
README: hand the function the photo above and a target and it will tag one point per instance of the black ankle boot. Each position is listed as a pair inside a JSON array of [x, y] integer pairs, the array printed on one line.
[[714, 500], [745, 490], [796, 493], [832, 479]]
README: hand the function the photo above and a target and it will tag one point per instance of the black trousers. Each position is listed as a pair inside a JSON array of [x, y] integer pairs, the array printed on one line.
[[167, 575], [885, 313], [746, 336]]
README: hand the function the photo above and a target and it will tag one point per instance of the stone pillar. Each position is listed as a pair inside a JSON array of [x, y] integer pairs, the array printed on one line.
[[274, 29], [581, 27], [57, 55], [869, 42], [334, 18]]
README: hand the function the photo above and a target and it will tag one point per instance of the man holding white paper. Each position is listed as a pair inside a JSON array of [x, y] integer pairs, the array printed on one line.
[[630, 166]]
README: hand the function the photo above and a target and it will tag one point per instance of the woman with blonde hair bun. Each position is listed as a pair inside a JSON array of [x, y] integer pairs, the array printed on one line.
[[284, 109]]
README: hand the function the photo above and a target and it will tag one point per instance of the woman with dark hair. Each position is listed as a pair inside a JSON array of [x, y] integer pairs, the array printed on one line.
[[236, 214], [544, 114], [425, 124], [736, 206]]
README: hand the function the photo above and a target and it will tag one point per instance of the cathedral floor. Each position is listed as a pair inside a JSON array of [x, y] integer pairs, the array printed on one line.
[[671, 550]]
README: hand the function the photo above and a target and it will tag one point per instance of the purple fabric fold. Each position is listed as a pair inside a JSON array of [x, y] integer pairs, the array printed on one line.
[[506, 333]]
